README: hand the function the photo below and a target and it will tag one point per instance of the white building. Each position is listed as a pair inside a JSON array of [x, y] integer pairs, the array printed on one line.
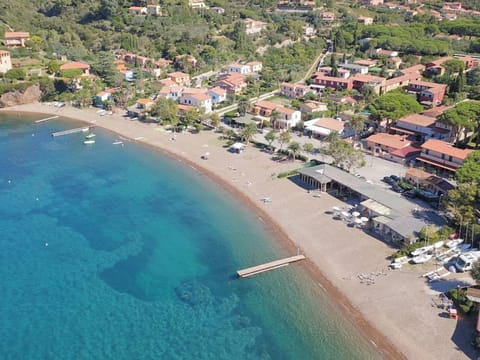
[[287, 118], [5, 61], [243, 69], [217, 94], [199, 100]]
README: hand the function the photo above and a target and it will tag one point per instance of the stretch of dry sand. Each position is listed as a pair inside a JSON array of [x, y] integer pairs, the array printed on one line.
[[397, 312]]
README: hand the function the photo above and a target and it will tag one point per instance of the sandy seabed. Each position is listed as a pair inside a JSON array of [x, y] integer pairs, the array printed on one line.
[[396, 310]]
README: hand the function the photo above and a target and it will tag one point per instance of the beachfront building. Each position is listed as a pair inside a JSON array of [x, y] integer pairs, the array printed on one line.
[[141, 108], [324, 127], [282, 117], [198, 99], [429, 182], [441, 156], [15, 39], [103, 97], [5, 61], [389, 215]]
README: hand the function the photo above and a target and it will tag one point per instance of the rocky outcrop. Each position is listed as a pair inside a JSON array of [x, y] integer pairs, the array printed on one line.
[[31, 94]]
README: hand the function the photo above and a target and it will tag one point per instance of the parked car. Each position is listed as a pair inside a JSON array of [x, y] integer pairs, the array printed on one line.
[[397, 188], [388, 180], [394, 178], [410, 193]]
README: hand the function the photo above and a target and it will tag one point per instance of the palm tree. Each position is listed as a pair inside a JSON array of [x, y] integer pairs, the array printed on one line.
[[357, 124], [274, 117], [333, 137], [309, 148], [248, 131], [243, 107], [294, 148]]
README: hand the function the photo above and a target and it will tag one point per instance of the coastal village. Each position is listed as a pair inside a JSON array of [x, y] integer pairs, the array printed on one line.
[[381, 130]]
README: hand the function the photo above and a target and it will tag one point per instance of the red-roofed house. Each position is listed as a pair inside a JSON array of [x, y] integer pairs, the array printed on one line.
[[421, 126], [180, 78], [141, 108], [375, 82], [293, 90], [313, 106], [75, 65], [285, 118], [233, 83], [200, 100], [382, 144], [400, 81], [427, 92], [16, 38], [137, 10], [442, 156], [217, 94], [104, 96], [321, 81]]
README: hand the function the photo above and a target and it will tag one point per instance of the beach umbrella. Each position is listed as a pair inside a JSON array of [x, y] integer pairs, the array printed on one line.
[[355, 213], [364, 219], [358, 221], [336, 208], [345, 214]]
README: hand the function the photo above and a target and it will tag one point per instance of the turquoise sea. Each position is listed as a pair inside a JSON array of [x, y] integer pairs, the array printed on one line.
[[117, 252]]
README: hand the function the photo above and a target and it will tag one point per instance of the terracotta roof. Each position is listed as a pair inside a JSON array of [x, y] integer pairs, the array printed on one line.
[[254, 63], [178, 74], [427, 84], [331, 124], [436, 111], [417, 119], [167, 82], [414, 68], [75, 65], [367, 78], [217, 90], [443, 147], [4, 52], [366, 62], [440, 61], [412, 76], [320, 76], [135, 8], [407, 151], [313, 105], [393, 141], [199, 96], [267, 105], [286, 111], [16, 34], [144, 101]]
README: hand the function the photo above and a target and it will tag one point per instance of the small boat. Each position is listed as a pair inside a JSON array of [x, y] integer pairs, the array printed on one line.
[[420, 259], [117, 143], [453, 243], [90, 136], [89, 142], [438, 244], [422, 250]]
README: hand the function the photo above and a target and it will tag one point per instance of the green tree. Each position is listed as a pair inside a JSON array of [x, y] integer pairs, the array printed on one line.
[[453, 66], [284, 138], [309, 148], [243, 107], [475, 272], [214, 119], [248, 131], [463, 118], [166, 110], [15, 74], [461, 203], [393, 105], [53, 67], [357, 124], [345, 155], [294, 148], [469, 172], [270, 137]]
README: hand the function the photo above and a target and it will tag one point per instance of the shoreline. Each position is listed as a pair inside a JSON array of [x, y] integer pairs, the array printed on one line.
[[288, 234]]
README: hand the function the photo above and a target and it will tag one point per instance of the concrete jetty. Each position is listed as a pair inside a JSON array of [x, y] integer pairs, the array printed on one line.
[[71, 131], [254, 270]]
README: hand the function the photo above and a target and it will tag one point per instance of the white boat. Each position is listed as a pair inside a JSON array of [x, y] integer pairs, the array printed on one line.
[[453, 243], [422, 250], [438, 244], [118, 143], [420, 259], [89, 142], [90, 136]]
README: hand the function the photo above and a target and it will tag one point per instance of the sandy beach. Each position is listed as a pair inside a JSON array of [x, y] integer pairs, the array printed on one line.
[[395, 309]]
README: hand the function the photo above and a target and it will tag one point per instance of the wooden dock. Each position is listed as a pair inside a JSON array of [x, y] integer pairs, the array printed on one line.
[[46, 119], [254, 270], [72, 131]]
